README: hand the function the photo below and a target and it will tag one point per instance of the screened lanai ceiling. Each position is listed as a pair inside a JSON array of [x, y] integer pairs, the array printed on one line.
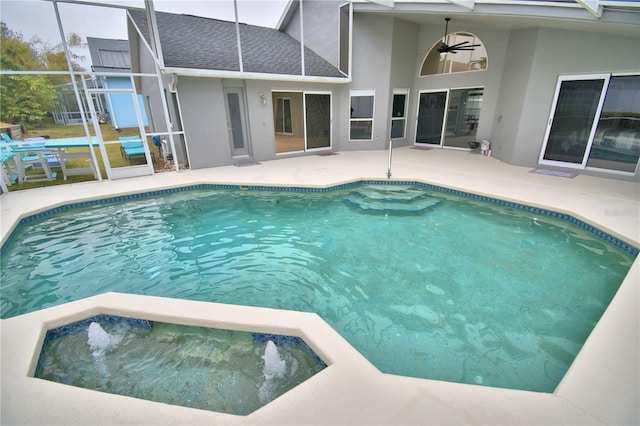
[[620, 17]]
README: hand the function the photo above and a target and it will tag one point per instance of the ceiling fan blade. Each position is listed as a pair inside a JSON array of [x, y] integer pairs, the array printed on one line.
[[464, 48], [470, 47], [455, 46]]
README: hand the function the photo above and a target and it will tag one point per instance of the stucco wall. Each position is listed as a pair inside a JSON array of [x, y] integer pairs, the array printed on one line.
[[322, 28], [372, 49], [513, 89], [490, 79], [403, 58], [204, 121], [559, 52]]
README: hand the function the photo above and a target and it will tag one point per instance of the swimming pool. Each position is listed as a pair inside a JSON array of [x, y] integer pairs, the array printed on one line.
[[416, 290]]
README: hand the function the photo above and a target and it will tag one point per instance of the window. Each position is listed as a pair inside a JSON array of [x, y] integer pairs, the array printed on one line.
[[114, 58], [458, 61], [595, 123], [399, 113], [361, 122]]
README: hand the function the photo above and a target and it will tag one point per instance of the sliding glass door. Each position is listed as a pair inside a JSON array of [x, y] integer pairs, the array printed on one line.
[[594, 123], [302, 121], [449, 118], [431, 111], [578, 100], [463, 114], [317, 114], [616, 143]]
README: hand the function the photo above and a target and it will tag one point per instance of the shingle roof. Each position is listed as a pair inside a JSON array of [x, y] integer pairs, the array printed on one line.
[[210, 44], [109, 54]]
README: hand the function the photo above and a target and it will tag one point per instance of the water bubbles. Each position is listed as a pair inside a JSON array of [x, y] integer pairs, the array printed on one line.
[[478, 379], [100, 341], [274, 365]]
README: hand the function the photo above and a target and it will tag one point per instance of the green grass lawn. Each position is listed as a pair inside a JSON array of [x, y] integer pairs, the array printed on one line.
[[62, 131]]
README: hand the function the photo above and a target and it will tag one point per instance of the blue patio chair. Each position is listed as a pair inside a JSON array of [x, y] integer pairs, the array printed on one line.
[[18, 169], [131, 146], [52, 158], [9, 168], [27, 155]]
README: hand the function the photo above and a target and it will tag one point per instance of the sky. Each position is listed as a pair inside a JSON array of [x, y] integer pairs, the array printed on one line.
[[36, 18]]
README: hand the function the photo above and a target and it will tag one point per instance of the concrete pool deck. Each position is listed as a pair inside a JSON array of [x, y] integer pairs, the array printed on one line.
[[601, 387]]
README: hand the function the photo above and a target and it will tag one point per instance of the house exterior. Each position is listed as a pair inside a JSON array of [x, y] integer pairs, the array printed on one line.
[[547, 84], [112, 56]]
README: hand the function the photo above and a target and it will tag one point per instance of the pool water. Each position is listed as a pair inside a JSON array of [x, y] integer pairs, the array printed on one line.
[[423, 283], [212, 369]]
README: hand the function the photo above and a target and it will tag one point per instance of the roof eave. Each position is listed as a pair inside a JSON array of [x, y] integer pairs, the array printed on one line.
[[195, 72], [289, 9]]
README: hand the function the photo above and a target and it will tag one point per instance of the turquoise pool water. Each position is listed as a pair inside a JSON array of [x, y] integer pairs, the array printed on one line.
[[424, 283]]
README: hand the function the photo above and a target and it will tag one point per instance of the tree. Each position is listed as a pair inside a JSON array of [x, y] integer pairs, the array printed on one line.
[[29, 98]]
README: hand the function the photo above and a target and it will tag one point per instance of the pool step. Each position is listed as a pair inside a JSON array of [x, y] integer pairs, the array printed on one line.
[[399, 193], [386, 198]]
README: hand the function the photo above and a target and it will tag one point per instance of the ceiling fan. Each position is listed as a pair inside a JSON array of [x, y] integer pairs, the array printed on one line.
[[445, 48]]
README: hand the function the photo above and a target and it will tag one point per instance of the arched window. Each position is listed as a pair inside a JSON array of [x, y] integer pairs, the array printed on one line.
[[456, 60]]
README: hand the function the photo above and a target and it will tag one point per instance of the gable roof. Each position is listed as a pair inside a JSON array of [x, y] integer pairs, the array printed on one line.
[[109, 54], [189, 41]]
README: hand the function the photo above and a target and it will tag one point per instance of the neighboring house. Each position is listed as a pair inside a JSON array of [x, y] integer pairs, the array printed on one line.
[[549, 84], [68, 112], [112, 56]]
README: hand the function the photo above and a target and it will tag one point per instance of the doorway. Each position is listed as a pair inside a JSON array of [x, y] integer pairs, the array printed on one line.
[[449, 117], [134, 149], [302, 121], [594, 123]]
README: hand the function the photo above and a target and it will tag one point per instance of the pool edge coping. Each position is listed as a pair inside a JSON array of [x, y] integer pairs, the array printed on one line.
[[592, 226], [344, 363], [596, 407]]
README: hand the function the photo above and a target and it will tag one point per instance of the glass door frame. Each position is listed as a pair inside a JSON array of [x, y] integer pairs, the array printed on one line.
[[446, 114], [302, 109], [585, 156], [443, 126], [304, 122], [122, 171], [245, 151]]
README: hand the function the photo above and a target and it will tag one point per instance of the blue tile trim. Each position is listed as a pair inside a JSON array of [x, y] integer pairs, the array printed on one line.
[[82, 326], [634, 251]]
